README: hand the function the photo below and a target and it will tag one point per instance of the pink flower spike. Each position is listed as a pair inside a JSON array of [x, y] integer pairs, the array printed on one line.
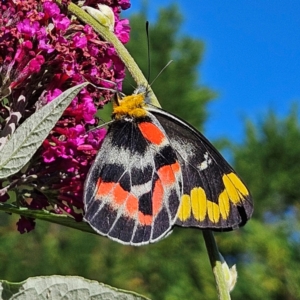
[[43, 53]]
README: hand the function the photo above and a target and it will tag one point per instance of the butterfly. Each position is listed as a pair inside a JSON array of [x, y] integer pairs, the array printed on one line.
[[155, 171]]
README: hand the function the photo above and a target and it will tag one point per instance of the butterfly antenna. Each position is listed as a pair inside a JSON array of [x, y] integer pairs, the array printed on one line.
[[149, 57], [148, 47], [161, 72]]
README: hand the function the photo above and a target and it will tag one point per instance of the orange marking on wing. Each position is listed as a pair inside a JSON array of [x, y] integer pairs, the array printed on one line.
[[151, 132], [166, 173], [157, 197], [132, 205], [119, 195], [104, 188], [176, 167], [145, 219]]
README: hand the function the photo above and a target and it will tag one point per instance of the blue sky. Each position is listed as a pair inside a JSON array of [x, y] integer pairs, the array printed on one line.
[[252, 57]]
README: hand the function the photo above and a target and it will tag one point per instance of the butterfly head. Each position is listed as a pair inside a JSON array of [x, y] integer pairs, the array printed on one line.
[[131, 106], [146, 91]]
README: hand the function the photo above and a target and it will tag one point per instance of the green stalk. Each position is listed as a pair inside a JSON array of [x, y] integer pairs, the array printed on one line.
[[216, 264], [45, 215]]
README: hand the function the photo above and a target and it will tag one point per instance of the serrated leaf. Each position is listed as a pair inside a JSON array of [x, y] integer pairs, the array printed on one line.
[[33, 131], [63, 287]]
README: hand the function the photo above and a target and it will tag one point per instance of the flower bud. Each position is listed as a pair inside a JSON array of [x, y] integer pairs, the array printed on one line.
[[230, 274], [104, 15]]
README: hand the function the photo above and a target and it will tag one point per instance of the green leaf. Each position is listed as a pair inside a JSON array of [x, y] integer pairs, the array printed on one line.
[[63, 287], [30, 135]]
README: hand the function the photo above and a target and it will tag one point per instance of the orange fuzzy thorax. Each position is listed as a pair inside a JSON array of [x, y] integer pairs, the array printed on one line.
[[133, 106]]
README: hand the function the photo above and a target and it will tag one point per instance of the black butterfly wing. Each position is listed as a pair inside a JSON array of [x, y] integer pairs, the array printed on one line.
[[214, 197]]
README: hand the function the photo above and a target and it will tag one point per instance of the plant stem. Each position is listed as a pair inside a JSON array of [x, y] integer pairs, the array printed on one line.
[[46, 216], [216, 264]]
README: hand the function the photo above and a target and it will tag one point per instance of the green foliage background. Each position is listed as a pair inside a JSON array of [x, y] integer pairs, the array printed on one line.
[[266, 251]]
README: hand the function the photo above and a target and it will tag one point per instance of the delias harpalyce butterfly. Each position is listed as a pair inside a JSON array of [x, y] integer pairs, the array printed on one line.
[[155, 171]]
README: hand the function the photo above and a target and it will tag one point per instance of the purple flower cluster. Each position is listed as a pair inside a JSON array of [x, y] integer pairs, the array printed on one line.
[[43, 52]]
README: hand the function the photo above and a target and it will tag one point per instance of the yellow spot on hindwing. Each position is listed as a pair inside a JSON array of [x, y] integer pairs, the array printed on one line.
[[224, 205], [238, 184], [199, 200], [213, 211], [184, 211], [133, 106], [234, 187]]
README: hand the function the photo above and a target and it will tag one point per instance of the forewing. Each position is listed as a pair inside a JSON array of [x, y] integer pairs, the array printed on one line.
[[214, 197], [132, 192]]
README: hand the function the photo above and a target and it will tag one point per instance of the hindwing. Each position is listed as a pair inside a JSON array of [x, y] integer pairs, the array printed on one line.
[[213, 197]]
